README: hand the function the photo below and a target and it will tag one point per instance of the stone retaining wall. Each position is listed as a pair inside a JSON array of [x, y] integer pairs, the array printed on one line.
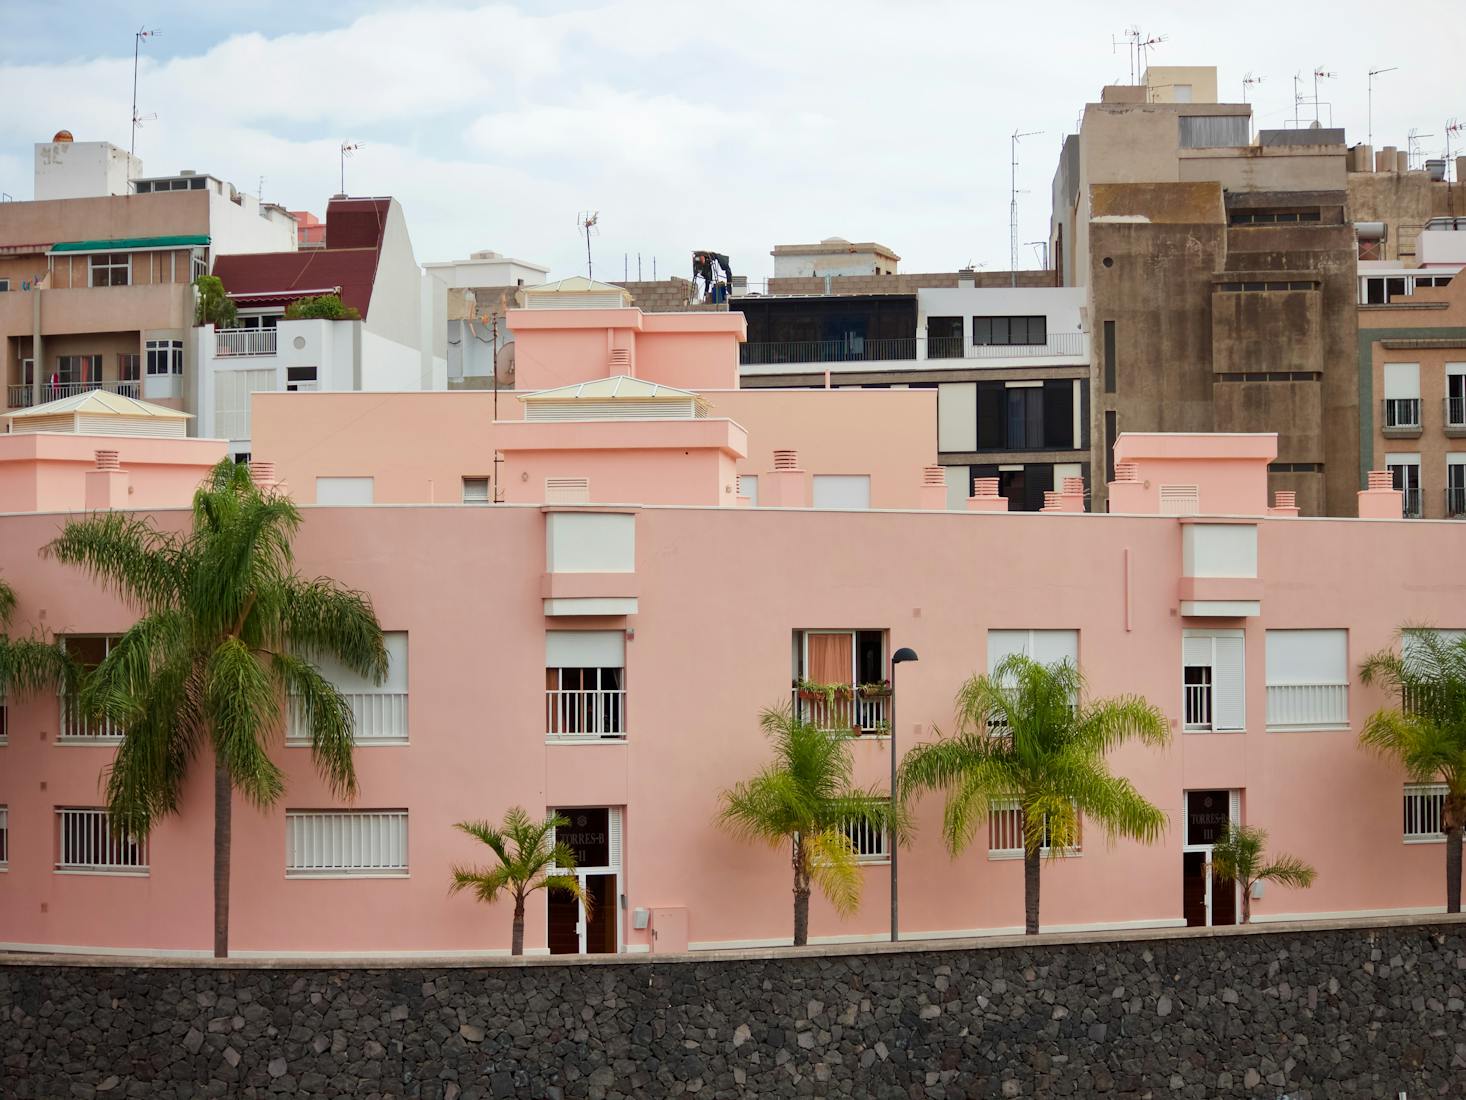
[[1332, 1012]]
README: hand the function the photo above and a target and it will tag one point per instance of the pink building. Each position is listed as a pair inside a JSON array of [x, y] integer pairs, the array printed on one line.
[[667, 554]]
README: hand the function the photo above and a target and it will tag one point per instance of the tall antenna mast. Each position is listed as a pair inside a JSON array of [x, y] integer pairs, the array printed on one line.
[[1013, 203], [137, 41], [1412, 146], [347, 148], [1248, 82], [586, 221], [1453, 127], [1372, 74], [1319, 72]]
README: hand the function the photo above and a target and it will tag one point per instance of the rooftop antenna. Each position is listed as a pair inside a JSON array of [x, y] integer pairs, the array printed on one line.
[[139, 36], [1013, 203], [1317, 73], [1297, 98], [1372, 74], [1453, 127], [1136, 44], [586, 222], [347, 148], [1412, 146], [1040, 252], [1248, 82]]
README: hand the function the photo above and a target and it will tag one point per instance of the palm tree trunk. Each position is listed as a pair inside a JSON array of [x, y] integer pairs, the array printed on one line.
[[1031, 868], [1246, 902], [801, 896], [516, 946], [223, 821], [1453, 868]]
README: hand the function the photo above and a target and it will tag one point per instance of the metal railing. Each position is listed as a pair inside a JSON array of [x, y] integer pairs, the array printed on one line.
[[1402, 413], [865, 715], [1455, 411], [580, 715], [23, 396], [346, 842], [88, 841], [944, 347], [1307, 706], [1410, 505], [377, 718], [769, 352], [1058, 343], [1456, 500], [1425, 807], [1199, 708], [76, 726], [244, 341]]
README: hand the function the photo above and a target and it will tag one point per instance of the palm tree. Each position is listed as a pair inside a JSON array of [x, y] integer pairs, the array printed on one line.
[[1426, 732], [1238, 857], [28, 665], [1026, 735], [227, 630], [804, 797], [529, 860]]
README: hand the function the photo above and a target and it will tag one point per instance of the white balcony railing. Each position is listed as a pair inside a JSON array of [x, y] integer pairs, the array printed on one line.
[[1199, 708], [78, 727], [584, 715], [865, 715], [1425, 807], [1308, 706], [377, 718], [244, 341], [1058, 343], [23, 397], [88, 841], [346, 842]]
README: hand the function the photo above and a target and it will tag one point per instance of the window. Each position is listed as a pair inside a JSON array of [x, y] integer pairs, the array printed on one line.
[[1009, 331], [345, 842], [1277, 285], [4, 721], [129, 367], [1214, 131], [1402, 396], [1109, 356], [476, 490], [4, 837], [88, 841], [1307, 679], [841, 682], [1212, 680], [590, 542], [585, 684], [1405, 476], [1425, 807], [1005, 832], [868, 841], [111, 269], [842, 492], [4, 285], [378, 711], [1456, 484], [1112, 433], [1456, 395], [748, 487], [1025, 416], [199, 264], [1276, 217], [165, 357], [345, 490], [1044, 646], [88, 653], [78, 369], [300, 378]]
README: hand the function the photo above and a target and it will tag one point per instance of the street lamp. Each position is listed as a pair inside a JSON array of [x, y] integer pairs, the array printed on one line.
[[901, 656]]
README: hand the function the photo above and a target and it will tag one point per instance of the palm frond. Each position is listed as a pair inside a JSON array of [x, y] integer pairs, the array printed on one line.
[[327, 716], [128, 555], [243, 705], [322, 618], [1289, 871], [833, 867], [7, 603]]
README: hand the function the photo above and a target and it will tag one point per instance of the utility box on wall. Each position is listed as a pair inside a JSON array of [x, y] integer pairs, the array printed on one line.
[[669, 930]]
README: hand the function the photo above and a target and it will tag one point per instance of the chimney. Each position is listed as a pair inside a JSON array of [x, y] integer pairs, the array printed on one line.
[[262, 474], [966, 278], [1402, 161], [1071, 495], [933, 492], [1381, 500], [1128, 493], [1386, 160], [985, 496], [106, 483], [1053, 502], [1285, 503], [785, 486]]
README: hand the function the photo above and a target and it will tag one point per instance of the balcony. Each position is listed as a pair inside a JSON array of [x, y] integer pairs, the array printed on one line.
[[585, 714], [1057, 343], [1456, 500], [244, 341], [1199, 709], [23, 397], [944, 347], [78, 728], [377, 718], [1454, 410], [1401, 417], [1410, 505], [1307, 706], [848, 350], [846, 710]]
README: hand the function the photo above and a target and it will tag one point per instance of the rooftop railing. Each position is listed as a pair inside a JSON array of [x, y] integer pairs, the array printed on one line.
[[244, 341], [23, 396], [826, 351]]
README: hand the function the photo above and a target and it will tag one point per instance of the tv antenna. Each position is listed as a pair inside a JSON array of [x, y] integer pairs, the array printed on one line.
[[1412, 147], [1453, 127], [587, 223], [347, 149], [141, 35], [1013, 203], [1137, 44], [1248, 82], [1372, 74], [1319, 72]]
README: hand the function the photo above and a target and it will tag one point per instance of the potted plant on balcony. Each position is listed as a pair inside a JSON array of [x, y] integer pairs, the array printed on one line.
[[881, 690], [214, 306], [811, 692]]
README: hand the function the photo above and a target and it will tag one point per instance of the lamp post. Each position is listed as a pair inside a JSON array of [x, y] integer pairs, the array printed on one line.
[[901, 656]]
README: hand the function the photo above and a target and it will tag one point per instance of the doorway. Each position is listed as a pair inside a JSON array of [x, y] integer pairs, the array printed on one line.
[[1207, 902], [594, 836]]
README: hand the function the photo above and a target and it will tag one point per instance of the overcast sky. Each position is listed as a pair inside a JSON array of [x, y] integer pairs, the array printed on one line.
[[688, 126]]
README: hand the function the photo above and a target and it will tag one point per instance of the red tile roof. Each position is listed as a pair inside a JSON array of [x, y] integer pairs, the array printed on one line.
[[346, 266]]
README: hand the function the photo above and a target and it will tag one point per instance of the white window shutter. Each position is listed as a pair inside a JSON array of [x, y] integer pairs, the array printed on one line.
[[1196, 650], [1234, 807], [1228, 689], [614, 817]]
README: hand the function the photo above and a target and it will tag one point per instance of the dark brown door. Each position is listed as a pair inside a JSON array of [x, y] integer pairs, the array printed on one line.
[[564, 917], [1193, 888], [1223, 902], [600, 925]]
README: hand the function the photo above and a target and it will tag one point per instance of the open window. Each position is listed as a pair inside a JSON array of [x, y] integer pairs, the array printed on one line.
[[841, 680]]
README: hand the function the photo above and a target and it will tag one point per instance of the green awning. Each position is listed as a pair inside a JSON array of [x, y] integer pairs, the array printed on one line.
[[126, 244]]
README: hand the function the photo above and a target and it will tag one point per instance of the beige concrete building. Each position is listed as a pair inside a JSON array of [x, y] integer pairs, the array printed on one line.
[[833, 256]]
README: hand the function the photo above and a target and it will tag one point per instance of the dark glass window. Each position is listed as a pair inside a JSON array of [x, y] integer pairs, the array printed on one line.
[[1010, 331]]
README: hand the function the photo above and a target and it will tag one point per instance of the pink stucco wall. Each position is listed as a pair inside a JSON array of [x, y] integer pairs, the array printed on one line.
[[720, 592], [47, 472]]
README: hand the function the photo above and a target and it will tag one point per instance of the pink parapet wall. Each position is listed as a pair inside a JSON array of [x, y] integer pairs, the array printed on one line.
[[45, 472], [1175, 473]]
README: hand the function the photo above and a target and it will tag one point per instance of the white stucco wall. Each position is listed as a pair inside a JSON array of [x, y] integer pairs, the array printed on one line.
[[239, 227], [83, 169]]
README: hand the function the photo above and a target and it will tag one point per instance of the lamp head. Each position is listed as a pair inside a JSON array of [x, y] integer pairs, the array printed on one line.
[[903, 655]]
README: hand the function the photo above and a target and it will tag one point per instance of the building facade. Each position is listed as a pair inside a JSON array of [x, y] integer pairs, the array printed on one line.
[[590, 618]]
